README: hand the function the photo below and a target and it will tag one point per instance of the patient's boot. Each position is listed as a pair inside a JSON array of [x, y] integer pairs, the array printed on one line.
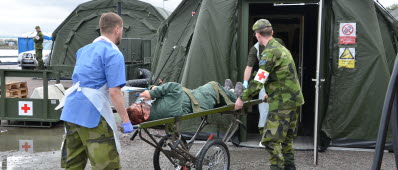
[[228, 85], [238, 89]]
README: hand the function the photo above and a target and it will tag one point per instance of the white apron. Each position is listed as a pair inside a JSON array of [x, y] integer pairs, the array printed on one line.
[[101, 101], [262, 107]]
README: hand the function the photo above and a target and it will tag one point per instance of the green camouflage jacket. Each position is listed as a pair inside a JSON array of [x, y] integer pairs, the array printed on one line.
[[278, 75], [38, 39]]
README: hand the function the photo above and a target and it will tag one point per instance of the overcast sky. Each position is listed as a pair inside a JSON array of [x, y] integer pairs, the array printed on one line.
[[20, 16]]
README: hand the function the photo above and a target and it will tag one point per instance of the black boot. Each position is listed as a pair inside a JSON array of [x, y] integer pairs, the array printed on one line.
[[274, 167], [289, 167]]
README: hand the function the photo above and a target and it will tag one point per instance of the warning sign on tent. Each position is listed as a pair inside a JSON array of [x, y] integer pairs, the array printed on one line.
[[347, 58], [348, 33]]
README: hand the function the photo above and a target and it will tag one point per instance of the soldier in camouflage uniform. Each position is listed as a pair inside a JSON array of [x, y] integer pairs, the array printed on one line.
[[278, 75], [38, 39]]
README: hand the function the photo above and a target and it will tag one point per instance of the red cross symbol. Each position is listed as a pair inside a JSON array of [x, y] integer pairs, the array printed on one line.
[[261, 75], [25, 108], [26, 146]]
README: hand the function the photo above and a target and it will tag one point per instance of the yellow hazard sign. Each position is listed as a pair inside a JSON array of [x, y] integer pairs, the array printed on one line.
[[346, 54], [347, 58]]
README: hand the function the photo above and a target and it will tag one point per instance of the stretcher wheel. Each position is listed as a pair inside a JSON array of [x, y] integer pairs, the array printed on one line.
[[214, 155], [160, 161]]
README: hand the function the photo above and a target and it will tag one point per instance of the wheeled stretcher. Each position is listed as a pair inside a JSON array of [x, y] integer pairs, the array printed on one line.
[[173, 151]]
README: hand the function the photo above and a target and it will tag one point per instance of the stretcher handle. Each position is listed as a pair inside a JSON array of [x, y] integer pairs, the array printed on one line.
[[134, 134]]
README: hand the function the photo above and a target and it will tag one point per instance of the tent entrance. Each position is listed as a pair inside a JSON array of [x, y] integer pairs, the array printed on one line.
[[296, 27]]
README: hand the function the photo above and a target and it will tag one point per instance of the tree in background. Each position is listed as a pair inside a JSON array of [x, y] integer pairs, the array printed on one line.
[[392, 7]]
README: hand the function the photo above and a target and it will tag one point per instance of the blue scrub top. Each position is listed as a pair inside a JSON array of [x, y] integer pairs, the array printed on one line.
[[96, 64]]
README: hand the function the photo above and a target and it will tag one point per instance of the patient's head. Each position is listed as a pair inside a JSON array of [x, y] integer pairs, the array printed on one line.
[[139, 112]]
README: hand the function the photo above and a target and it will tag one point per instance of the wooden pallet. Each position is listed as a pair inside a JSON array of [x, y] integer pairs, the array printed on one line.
[[16, 85], [16, 90]]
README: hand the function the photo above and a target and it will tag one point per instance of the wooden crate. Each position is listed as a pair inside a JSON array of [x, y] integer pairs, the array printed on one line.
[[16, 90]]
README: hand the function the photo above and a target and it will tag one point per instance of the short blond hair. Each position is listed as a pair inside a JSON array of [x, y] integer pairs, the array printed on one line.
[[109, 21]]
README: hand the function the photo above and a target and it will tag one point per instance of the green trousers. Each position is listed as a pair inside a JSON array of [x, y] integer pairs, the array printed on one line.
[[96, 144], [278, 135], [39, 58]]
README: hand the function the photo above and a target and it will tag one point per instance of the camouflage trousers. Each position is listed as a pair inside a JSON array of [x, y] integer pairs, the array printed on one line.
[[278, 135], [96, 144], [39, 58]]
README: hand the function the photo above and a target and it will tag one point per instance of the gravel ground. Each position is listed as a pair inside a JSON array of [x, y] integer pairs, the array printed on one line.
[[138, 155]]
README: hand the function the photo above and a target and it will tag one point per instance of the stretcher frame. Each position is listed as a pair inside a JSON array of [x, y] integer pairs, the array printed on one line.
[[179, 154]]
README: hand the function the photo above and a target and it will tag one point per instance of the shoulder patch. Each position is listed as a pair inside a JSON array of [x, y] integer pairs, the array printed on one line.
[[263, 61]]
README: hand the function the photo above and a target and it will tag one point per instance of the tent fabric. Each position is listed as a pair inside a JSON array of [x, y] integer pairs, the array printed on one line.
[[80, 28], [198, 43], [200, 34], [174, 34], [356, 96], [216, 49], [196, 46]]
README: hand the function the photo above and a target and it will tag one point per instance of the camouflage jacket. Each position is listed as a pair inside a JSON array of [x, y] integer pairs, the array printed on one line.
[[278, 75], [38, 39]]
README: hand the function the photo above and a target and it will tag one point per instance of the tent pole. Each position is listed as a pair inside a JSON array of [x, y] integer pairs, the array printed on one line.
[[394, 122], [119, 8], [386, 115], [317, 84]]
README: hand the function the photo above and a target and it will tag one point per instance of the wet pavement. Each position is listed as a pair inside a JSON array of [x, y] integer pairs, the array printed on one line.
[[139, 155], [31, 139], [19, 146]]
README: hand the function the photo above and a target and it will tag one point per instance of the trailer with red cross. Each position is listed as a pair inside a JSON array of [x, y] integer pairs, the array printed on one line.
[[26, 110]]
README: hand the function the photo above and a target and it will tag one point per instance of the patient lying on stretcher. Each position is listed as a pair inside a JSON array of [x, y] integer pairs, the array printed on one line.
[[170, 100]]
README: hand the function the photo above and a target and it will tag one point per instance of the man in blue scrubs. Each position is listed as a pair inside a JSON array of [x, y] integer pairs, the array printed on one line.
[[98, 77]]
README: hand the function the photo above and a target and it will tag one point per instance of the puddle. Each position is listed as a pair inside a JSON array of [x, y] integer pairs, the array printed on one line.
[[32, 148], [31, 139]]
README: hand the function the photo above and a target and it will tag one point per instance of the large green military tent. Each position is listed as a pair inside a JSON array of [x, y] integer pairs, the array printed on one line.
[[344, 52], [141, 20]]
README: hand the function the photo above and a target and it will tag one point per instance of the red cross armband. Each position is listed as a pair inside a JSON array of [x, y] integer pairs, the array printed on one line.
[[261, 76]]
